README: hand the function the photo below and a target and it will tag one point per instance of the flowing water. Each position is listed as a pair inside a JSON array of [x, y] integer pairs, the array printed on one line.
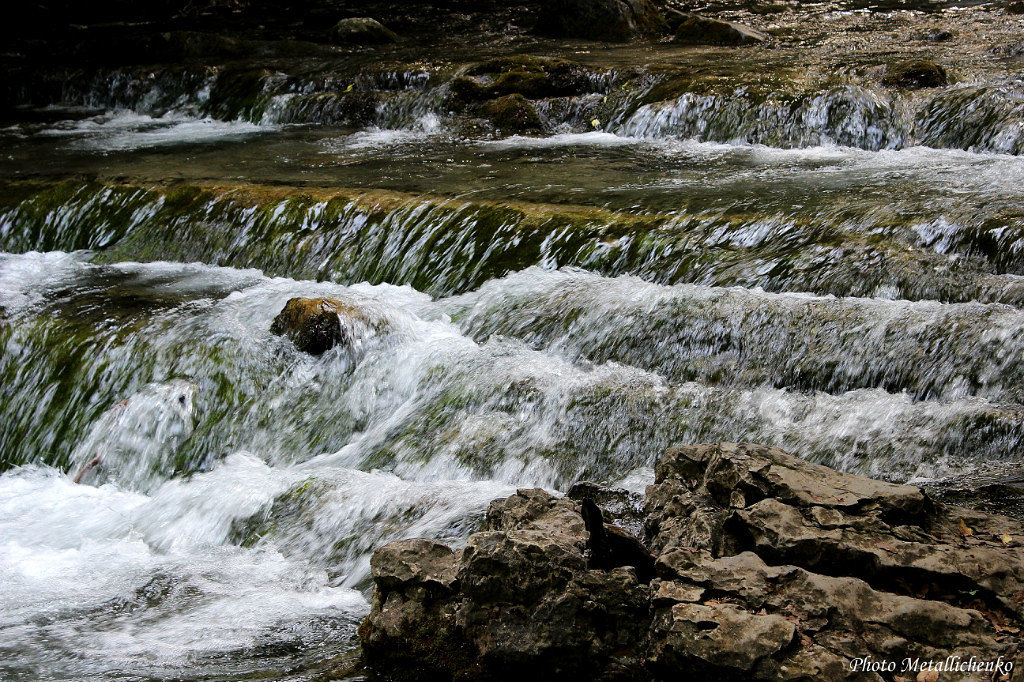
[[818, 263]]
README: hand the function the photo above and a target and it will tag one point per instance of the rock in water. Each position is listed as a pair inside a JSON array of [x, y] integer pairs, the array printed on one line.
[[692, 29], [512, 114], [767, 568], [315, 325], [913, 74], [611, 20], [362, 31]]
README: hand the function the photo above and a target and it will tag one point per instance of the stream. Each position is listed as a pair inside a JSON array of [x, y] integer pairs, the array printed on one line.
[[810, 261]]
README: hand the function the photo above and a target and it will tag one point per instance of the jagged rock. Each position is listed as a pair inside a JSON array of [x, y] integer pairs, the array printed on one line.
[[621, 507], [525, 602], [913, 74], [512, 114], [693, 29], [611, 547], [315, 325], [362, 31], [861, 567], [415, 562], [768, 568], [611, 20]]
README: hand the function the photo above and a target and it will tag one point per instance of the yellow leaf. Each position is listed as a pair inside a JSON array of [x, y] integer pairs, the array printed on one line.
[[350, 86], [1006, 539], [964, 529], [596, 123]]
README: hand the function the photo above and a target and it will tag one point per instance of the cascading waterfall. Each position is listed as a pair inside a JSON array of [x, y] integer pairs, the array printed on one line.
[[979, 117], [816, 262]]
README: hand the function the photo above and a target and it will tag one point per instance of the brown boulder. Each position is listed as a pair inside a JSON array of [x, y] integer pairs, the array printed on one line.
[[767, 568], [315, 325]]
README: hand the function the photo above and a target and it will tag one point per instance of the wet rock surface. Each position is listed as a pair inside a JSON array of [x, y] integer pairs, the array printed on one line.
[[315, 325], [913, 74], [693, 29], [768, 567], [362, 31]]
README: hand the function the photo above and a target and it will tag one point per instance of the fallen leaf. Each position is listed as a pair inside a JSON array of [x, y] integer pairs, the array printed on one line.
[[1006, 539], [964, 529]]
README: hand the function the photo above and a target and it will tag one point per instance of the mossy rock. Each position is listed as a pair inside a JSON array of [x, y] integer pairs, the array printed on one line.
[[292, 506], [913, 74], [693, 29], [362, 31], [531, 85], [463, 92], [512, 114]]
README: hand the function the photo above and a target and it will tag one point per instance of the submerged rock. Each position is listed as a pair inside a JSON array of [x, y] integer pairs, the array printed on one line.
[[362, 31], [315, 325], [936, 36], [693, 29], [611, 20], [913, 74], [767, 568]]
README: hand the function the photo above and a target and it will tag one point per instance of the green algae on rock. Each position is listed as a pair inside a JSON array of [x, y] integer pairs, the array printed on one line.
[[512, 114]]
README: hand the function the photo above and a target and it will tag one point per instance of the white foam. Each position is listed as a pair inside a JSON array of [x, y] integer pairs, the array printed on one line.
[[164, 588], [591, 139], [126, 130], [26, 278]]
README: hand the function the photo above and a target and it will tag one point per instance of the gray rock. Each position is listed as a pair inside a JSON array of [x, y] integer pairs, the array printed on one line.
[[415, 562], [622, 507]]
